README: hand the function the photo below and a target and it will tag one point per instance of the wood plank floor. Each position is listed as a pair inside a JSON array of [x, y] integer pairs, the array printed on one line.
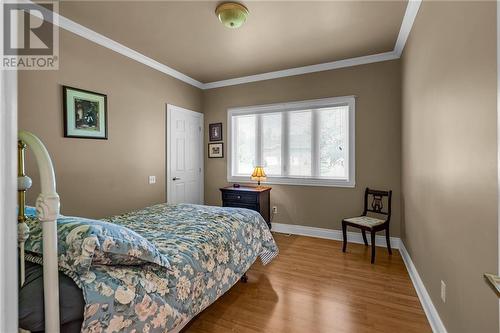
[[313, 287]]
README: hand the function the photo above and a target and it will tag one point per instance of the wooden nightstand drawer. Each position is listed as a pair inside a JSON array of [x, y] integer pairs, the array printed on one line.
[[254, 198], [240, 205], [239, 197]]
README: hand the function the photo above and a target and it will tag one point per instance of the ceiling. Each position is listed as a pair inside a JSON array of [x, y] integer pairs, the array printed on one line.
[[186, 35]]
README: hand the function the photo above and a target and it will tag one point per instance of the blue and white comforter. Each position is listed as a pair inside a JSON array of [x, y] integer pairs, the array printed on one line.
[[208, 250]]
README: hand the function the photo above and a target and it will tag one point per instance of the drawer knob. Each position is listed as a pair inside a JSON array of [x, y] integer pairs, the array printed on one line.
[[239, 196]]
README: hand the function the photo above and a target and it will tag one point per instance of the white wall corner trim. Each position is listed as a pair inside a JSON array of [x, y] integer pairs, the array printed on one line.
[[8, 200], [102, 40], [408, 20], [352, 237], [396, 243], [404, 32], [426, 301], [304, 70]]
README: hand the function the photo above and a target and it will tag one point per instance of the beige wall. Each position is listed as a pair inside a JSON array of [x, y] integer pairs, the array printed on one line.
[[446, 161], [449, 155], [96, 178], [377, 87]]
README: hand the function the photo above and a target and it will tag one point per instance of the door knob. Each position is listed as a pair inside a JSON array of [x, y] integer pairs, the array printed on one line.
[[176, 178]]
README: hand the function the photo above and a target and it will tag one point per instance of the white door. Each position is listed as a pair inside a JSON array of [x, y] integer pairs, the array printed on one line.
[[184, 156]]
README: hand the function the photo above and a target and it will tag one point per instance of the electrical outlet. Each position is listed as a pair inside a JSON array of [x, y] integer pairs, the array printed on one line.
[[443, 291], [275, 209], [152, 179]]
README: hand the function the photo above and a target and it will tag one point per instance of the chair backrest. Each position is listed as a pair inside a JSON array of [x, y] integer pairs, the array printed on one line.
[[377, 202]]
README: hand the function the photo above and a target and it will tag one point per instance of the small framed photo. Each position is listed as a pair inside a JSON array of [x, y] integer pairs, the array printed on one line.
[[215, 132], [216, 150], [85, 114]]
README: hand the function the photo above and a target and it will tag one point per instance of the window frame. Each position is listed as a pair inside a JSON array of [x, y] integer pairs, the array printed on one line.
[[295, 106]]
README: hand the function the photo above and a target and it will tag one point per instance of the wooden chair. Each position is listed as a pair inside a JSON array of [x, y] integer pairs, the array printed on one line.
[[371, 224]]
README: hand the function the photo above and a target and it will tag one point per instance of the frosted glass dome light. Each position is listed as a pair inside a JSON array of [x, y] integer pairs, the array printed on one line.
[[232, 14]]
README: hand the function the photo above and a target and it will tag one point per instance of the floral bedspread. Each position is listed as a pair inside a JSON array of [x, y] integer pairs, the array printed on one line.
[[209, 249]]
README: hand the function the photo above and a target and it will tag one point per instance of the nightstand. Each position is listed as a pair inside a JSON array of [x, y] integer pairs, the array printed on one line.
[[254, 198]]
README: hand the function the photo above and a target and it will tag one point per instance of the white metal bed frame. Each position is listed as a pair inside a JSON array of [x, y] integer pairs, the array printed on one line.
[[47, 209]]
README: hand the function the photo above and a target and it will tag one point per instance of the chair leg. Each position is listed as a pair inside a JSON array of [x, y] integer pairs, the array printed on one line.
[[388, 240], [344, 235], [373, 245], [364, 236]]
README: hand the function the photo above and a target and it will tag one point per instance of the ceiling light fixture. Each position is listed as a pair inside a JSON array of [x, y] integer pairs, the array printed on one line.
[[232, 14]]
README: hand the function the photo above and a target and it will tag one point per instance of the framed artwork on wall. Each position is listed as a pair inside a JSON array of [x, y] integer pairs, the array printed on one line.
[[215, 132], [85, 114], [216, 150]]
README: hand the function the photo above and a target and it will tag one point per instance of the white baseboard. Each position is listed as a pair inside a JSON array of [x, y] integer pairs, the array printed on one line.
[[426, 301], [353, 237], [396, 243]]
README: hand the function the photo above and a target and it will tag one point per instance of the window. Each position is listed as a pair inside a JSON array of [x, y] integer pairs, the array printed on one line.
[[299, 143]]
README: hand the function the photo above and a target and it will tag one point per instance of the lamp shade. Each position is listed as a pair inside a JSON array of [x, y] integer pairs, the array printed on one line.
[[258, 174]]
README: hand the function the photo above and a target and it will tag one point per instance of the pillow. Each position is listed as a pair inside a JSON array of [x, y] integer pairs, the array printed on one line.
[[83, 242], [28, 211]]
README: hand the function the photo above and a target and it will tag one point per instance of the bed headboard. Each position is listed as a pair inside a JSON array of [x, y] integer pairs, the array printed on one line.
[[47, 210], [23, 184]]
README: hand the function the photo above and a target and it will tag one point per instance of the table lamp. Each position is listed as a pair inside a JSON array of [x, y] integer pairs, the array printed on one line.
[[258, 174]]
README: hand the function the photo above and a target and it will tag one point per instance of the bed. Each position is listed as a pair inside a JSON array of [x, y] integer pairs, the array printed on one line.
[[151, 270]]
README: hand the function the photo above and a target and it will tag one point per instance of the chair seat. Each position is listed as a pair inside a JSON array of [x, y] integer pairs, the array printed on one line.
[[365, 221]]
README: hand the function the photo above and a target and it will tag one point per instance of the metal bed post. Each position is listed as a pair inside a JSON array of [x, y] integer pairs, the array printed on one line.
[[47, 208], [23, 184]]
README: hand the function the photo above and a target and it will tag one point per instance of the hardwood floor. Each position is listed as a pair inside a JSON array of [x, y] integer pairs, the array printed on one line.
[[313, 287]]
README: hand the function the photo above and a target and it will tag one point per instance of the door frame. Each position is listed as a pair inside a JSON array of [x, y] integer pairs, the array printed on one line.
[[168, 181], [8, 201]]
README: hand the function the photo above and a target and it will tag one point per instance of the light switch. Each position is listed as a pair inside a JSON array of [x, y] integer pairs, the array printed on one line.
[[152, 179]]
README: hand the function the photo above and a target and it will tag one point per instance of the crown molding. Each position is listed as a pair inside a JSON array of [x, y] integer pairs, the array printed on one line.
[[304, 70], [406, 25], [408, 19], [82, 31], [109, 43], [102, 40]]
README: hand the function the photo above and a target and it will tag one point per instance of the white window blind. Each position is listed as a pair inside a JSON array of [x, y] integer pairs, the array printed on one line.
[[302, 143]]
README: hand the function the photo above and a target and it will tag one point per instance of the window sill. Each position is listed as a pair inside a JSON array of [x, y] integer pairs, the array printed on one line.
[[295, 181]]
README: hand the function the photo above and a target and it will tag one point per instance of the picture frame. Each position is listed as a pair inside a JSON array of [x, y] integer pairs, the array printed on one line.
[[216, 150], [85, 114], [215, 132]]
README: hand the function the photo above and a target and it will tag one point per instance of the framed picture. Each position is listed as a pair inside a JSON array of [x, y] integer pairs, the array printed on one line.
[[216, 150], [85, 114], [215, 132]]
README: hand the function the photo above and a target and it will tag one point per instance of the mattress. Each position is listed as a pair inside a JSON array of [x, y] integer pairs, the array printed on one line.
[[208, 250], [31, 314]]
